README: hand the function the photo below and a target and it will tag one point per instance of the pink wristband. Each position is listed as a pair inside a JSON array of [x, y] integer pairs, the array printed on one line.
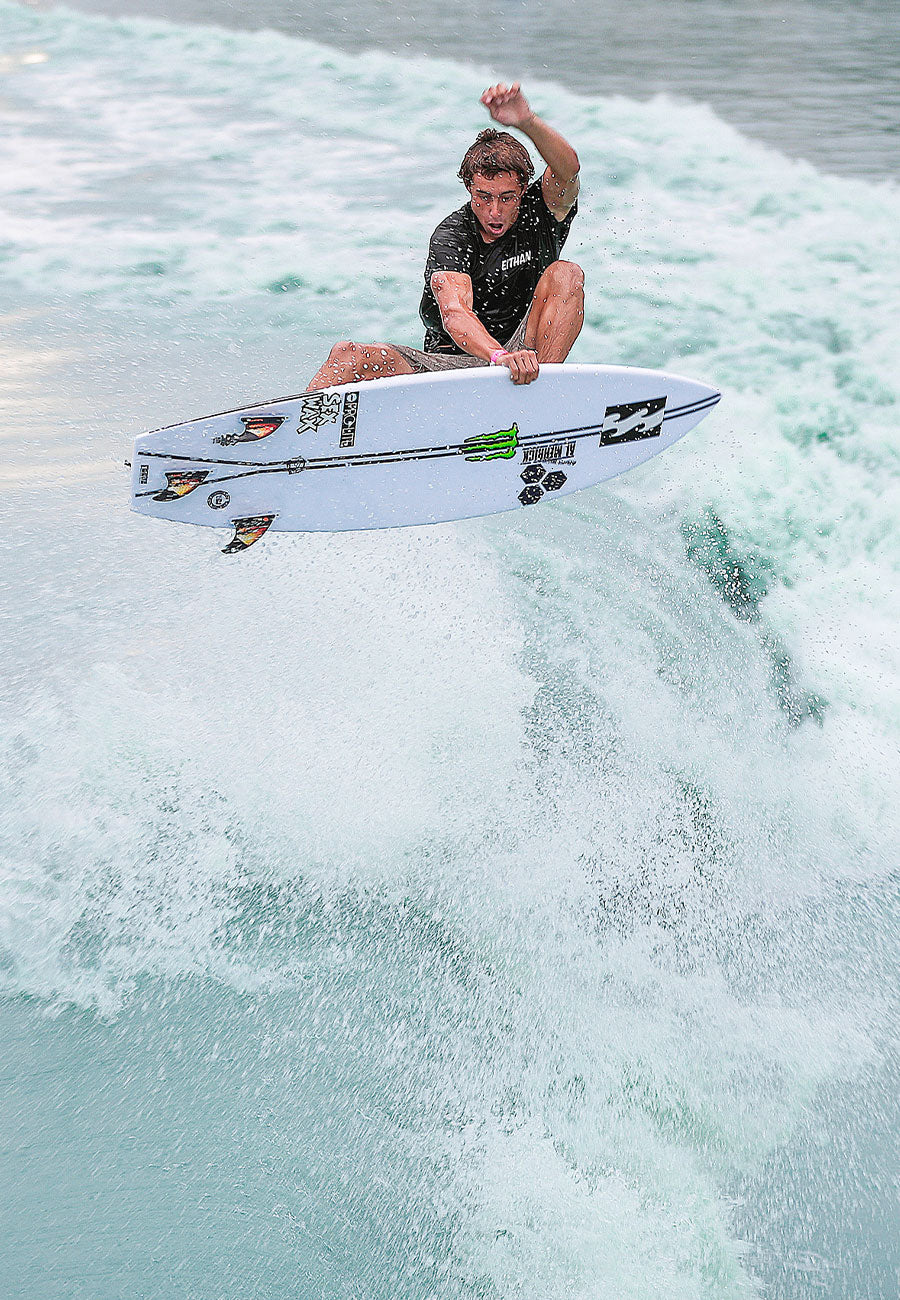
[[495, 356]]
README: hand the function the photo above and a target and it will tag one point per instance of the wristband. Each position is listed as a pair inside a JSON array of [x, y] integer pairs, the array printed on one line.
[[495, 356]]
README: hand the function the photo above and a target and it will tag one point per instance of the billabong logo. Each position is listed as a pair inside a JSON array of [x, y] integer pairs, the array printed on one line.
[[246, 532], [179, 483], [255, 427], [501, 445], [632, 421]]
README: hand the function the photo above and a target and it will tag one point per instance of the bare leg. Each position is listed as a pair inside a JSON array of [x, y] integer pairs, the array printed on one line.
[[350, 363], [557, 312]]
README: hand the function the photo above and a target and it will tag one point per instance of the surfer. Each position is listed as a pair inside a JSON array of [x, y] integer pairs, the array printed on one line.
[[496, 291]]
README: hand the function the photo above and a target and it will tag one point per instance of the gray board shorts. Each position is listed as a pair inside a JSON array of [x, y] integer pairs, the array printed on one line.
[[426, 362]]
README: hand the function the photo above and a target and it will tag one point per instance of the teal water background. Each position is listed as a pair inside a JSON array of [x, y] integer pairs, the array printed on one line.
[[503, 909]]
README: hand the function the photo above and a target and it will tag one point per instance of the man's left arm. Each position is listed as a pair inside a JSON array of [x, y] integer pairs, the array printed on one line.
[[560, 184]]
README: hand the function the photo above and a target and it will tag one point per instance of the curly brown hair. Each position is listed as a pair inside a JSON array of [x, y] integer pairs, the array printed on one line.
[[494, 152]]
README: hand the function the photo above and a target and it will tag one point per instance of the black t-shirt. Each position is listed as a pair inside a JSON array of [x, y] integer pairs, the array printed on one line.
[[504, 274]]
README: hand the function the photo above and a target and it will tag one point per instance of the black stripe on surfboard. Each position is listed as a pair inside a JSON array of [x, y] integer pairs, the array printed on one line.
[[294, 397], [529, 440], [360, 461], [366, 459], [375, 458], [226, 478], [290, 467], [690, 408]]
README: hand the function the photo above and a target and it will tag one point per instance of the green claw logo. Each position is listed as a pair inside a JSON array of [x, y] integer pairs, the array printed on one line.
[[501, 445]]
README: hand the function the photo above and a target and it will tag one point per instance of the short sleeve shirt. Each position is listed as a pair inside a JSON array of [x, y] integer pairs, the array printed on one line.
[[504, 274]]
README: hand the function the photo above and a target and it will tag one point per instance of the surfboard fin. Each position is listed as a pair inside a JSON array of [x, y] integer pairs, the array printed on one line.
[[179, 484], [246, 532], [255, 428]]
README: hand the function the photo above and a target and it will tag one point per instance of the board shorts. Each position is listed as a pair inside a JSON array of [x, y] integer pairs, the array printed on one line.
[[427, 362]]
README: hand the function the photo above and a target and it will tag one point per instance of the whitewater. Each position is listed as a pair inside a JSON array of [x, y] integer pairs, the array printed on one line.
[[499, 909]]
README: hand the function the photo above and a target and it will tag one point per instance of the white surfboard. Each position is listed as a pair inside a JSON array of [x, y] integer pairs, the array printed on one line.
[[416, 449]]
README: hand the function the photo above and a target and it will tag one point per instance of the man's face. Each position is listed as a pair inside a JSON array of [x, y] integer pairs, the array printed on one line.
[[495, 202]]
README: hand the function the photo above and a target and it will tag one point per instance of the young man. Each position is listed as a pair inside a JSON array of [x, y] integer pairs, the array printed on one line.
[[496, 292]]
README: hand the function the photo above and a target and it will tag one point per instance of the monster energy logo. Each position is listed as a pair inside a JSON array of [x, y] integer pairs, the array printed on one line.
[[501, 445]]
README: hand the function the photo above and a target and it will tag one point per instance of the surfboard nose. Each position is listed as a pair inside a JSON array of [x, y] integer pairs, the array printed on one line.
[[713, 393], [702, 399]]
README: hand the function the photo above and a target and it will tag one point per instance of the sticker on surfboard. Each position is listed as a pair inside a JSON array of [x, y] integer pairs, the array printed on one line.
[[537, 481], [501, 445], [632, 421]]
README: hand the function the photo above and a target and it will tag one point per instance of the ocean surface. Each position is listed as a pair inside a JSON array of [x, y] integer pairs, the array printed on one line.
[[504, 910]]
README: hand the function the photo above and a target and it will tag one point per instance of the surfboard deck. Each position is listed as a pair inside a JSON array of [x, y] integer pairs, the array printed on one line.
[[415, 449]]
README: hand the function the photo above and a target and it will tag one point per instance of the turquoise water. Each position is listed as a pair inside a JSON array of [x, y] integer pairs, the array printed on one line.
[[817, 78], [504, 909]]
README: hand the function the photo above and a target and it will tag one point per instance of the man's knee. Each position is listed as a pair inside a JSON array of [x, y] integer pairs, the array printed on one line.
[[358, 361], [344, 353], [565, 277]]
